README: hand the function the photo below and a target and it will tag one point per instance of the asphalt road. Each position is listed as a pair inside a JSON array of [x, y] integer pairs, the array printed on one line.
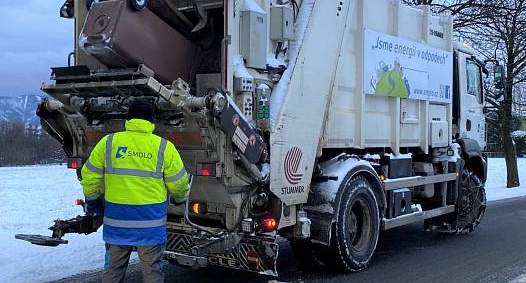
[[496, 252]]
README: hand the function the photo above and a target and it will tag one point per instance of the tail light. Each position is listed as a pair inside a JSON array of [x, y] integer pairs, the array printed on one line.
[[206, 169], [199, 208], [78, 202], [74, 162], [269, 225]]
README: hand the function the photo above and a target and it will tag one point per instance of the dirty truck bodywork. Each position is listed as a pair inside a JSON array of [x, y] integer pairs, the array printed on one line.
[[321, 121]]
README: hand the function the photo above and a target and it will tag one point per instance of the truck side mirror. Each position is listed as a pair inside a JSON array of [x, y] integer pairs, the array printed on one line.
[[499, 76]]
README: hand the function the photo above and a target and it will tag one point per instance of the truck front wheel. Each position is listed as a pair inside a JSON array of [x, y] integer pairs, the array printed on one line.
[[471, 203], [469, 208], [358, 226]]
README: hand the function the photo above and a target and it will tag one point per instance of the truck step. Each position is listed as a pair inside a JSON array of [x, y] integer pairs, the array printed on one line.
[[415, 217], [393, 184]]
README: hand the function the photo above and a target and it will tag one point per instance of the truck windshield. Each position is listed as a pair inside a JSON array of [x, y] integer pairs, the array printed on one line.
[[474, 79]]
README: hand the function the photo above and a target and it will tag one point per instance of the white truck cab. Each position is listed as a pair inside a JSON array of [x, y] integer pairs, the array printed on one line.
[[469, 95]]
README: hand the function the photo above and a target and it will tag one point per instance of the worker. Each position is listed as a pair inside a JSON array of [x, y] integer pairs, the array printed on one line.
[[132, 171]]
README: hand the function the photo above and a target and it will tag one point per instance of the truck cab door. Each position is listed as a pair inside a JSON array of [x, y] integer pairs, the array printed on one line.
[[471, 121]]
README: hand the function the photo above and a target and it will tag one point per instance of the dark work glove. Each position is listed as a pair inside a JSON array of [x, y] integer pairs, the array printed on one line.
[[94, 207]]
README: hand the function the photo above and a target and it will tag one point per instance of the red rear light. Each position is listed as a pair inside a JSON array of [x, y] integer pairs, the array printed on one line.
[[269, 225], [206, 169], [74, 162], [78, 202]]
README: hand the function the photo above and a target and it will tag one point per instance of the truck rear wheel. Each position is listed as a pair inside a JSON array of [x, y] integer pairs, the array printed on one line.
[[358, 227], [354, 235]]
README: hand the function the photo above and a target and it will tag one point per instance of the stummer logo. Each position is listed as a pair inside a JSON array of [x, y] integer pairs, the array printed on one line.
[[121, 151], [290, 167], [292, 162]]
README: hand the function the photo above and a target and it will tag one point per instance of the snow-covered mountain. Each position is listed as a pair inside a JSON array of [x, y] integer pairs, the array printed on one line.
[[20, 109]]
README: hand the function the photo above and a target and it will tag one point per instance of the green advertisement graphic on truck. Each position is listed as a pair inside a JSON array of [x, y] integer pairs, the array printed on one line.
[[399, 67]]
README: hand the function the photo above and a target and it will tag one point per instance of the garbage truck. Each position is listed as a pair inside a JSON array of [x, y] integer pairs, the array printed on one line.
[[323, 122]]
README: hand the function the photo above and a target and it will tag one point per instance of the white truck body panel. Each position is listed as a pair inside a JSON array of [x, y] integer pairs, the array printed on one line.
[[327, 90], [300, 122]]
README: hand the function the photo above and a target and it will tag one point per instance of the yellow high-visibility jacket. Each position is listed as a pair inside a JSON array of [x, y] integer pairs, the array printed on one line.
[[135, 170]]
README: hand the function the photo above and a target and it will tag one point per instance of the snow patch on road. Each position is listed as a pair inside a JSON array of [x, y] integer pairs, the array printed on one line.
[[33, 196]]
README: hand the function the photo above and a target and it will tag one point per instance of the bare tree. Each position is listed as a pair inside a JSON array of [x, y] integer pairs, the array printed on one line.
[[465, 12], [505, 32]]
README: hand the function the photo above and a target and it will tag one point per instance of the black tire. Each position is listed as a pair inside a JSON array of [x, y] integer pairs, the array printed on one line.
[[358, 227], [138, 5], [354, 235], [471, 203]]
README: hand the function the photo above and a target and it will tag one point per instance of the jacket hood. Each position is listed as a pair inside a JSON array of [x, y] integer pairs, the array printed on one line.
[[139, 125]]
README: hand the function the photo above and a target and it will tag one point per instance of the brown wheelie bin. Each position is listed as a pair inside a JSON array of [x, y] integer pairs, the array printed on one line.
[[120, 37]]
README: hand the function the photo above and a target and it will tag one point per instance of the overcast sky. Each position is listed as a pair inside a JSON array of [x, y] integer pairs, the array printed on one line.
[[33, 38]]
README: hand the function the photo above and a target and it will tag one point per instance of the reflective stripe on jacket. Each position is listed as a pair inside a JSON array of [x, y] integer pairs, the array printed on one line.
[[136, 168]]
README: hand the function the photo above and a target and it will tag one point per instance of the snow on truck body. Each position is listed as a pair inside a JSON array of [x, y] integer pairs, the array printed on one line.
[[320, 121]]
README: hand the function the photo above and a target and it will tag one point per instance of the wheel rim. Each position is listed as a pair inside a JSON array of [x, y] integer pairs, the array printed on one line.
[[360, 225]]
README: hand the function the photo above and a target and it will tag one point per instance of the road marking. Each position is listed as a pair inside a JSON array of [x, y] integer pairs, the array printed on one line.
[[519, 279]]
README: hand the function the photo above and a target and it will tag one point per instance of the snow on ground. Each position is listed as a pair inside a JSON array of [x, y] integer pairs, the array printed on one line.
[[519, 134], [496, 183], [31, 197]]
